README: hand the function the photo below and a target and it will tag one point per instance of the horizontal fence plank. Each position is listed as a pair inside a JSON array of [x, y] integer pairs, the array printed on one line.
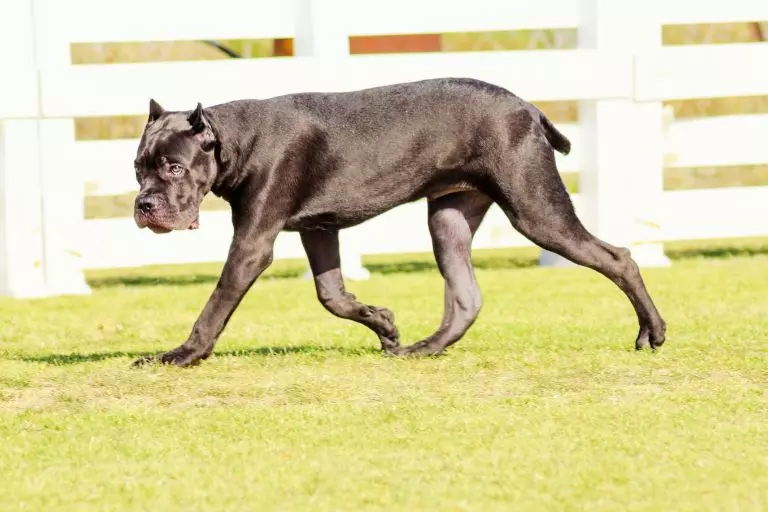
[[439, 16], [106, 166], [116, 243], [572, 161], [165, 20], [718, 141], [714, 213], [702, 71], [147, 20], [407, 225], [695, 11], [98, 90], [686, 215]]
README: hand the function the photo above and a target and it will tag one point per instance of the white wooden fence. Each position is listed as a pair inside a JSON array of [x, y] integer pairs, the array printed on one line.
[[620, 74]]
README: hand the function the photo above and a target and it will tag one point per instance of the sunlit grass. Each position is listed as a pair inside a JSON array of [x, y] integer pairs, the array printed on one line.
[[543, 406]]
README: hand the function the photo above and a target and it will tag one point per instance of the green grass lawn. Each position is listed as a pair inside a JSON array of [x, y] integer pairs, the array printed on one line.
[[542, 406]]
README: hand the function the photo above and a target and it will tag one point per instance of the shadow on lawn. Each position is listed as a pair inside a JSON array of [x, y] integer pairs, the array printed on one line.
[[176, 280], [420, 263], [81, 358], [480, 262], [406, 264], [719, 252]]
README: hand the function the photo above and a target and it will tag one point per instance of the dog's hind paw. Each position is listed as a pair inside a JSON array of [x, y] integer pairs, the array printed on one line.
[[648, 339]]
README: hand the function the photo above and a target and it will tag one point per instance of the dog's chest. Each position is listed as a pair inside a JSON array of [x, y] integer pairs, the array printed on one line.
[[444, 190], [325, 220]]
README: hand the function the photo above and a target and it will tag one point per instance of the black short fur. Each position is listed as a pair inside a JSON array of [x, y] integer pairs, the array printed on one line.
[[320, 162]]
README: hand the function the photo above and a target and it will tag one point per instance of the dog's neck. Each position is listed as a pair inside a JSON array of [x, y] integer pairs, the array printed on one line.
[[229, 150]]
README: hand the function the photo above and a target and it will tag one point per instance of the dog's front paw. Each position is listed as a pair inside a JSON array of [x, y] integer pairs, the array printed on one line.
[[389, 345], [387, 331], [424, 348], [390, 339], [180, 356]]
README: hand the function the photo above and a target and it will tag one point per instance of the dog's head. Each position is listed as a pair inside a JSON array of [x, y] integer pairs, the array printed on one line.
[[175, 167]]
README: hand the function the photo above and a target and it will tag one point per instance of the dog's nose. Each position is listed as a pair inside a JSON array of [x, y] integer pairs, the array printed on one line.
[[145, 204]]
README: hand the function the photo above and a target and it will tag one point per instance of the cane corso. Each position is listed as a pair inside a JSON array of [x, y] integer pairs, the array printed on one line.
[[317, 163]]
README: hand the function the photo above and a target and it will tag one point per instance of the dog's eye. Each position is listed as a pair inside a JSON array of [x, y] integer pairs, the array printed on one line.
[[176, 170]]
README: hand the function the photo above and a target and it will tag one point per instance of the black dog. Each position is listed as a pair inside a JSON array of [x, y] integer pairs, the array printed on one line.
[[320, 162]]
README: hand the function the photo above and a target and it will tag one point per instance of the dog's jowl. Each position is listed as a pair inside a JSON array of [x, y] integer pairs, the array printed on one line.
[[320, 162]]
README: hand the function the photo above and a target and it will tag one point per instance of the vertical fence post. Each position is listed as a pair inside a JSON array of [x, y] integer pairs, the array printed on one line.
[[321, 33], [63, 189], [21, 273], [621, 177]]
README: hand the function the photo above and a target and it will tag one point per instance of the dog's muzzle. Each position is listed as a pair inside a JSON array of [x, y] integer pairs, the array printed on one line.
[[151, 212]]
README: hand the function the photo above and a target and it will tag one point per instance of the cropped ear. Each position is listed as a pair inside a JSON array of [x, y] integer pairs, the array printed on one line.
[[201, 129], [196, 119], [155, 110]]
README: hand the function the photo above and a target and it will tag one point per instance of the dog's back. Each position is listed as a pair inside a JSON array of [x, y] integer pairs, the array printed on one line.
[[416, 108], [400, 142]]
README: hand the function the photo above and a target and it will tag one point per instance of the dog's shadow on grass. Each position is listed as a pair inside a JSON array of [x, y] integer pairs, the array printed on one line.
[[92, 357], [483, 261], [176, 280]]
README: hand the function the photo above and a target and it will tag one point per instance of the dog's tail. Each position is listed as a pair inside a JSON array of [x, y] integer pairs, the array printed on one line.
[[558, 141], [555, 138]]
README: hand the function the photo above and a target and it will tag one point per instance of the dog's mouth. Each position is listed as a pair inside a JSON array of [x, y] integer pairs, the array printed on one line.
[[158, 230], [160, 226]]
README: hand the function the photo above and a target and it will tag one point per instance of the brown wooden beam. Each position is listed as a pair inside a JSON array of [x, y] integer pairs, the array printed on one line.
[[395, 44], [375, 44]]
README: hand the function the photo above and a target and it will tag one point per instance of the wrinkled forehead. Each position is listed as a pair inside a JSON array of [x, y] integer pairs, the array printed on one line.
[[169, 136]]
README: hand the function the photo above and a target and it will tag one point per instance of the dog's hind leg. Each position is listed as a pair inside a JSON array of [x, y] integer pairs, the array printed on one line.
[[534, 198], [453, 221], [322, 248]]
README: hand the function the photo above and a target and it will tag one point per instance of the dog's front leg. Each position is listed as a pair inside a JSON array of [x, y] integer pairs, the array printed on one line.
[[249, 255]]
